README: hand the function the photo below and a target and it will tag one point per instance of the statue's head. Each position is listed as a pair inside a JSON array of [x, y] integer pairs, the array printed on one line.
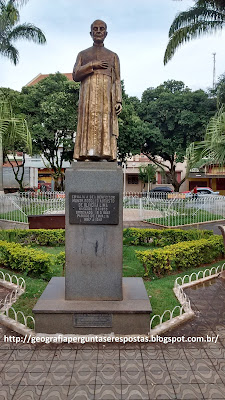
[[98, 31]]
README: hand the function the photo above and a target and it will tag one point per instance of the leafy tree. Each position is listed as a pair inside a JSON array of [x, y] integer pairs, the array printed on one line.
[[11, 30], [206, 16], [147, 174], [14, 136], [51, 109], [131, 128], [176, 116]]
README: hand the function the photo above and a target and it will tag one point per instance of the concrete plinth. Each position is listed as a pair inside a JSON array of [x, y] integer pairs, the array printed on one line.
[[54, 314], [94, 246]]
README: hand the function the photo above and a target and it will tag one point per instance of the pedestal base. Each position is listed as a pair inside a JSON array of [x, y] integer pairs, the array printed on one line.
[[54, 314]]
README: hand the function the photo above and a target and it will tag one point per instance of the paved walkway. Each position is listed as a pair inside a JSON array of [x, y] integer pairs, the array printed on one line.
[[132, 371]]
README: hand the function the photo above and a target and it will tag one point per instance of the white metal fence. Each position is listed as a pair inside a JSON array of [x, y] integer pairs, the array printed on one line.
[[159, 209], [18, 207], [175, 209]]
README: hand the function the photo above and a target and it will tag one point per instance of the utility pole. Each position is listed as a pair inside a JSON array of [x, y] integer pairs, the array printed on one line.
[[214, 69]]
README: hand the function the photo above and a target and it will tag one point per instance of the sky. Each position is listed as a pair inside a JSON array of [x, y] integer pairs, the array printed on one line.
[[137, 32]]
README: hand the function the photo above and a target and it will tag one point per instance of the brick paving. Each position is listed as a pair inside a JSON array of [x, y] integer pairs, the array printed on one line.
[[124, 372]]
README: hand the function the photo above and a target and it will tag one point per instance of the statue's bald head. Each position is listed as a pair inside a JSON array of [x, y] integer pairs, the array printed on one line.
[[99, 21], [98, 31]]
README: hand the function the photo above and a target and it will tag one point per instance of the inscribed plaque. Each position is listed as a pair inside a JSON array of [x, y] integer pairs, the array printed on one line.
[[94, 208]]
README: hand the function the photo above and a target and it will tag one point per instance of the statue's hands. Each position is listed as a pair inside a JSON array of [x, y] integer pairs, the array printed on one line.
[[118, 108], [100, 64]]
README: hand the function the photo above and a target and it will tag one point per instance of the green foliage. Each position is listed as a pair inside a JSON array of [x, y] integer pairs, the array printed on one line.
[[20, 258], [61, 260], [147, 173], [132, 129], [176, 116], [181, 256], [162, 237], [212, 148], [206, 16], [13, 129], [42, 237], [179, 114], [11, 30], [51, 105]]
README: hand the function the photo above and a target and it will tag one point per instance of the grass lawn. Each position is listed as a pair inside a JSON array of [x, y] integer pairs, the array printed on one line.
[[185, 217], [160, 290]]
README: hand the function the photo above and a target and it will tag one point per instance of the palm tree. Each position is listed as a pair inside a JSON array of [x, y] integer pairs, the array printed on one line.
[[13, 132], [11, 31], [212, 149], [207, 16], [147, 174]]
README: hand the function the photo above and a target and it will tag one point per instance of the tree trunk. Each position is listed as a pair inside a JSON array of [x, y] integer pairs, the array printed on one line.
[[16, 173]]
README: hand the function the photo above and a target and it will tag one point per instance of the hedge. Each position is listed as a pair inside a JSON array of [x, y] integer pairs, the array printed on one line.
[[43, 237], [181, 256], [163, 237], [20, 258]]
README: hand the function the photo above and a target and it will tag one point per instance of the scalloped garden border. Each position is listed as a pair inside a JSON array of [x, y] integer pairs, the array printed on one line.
[[6, 308], [185, 309]]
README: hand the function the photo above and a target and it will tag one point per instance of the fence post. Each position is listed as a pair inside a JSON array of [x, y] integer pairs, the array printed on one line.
[[141, 208]]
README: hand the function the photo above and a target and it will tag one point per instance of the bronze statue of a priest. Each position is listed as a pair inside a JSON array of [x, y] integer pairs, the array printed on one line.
[[100, 102]]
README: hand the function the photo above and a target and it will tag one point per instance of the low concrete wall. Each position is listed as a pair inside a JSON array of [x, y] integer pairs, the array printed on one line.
[[13, 225]]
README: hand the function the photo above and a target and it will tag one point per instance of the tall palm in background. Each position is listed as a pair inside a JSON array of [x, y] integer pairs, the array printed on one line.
[[207, 16], [11, 30]]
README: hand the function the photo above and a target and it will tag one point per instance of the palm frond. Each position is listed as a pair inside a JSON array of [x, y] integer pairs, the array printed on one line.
[[29, 32], [187, 33], [8, 50], [19, 3], [13, 130], [195, 15]]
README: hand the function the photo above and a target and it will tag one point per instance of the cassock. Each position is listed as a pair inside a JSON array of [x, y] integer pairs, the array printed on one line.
[[100, 91]]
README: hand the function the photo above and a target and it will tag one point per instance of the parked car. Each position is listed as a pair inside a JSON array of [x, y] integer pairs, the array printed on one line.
[[159, 192], [202, 191]]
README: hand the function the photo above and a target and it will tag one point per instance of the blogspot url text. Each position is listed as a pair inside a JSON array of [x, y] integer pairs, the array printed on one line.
[[110, 339]]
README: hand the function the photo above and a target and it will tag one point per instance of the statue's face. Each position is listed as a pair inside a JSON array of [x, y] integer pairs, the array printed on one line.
[[98, 32]]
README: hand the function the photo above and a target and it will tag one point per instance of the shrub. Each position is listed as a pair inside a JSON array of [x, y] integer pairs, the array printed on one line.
[[182, 255], [43, 237], [61, 259], [163, 237], [15, 256]]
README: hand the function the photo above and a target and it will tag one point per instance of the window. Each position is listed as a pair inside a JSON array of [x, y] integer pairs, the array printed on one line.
[[165, 179], [132, 179], [220, 184]]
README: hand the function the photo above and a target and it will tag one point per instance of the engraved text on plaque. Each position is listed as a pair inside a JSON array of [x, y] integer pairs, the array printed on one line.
[[94, 208]]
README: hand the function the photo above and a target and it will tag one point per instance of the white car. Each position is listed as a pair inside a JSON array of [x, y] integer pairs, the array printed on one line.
[[203, 191]]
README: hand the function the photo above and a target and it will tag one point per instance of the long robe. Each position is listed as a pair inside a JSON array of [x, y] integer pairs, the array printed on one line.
[[100, 91]]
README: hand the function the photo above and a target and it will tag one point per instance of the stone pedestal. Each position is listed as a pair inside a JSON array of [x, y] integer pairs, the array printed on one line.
[[93, 298], [54, 314], [94, 231]]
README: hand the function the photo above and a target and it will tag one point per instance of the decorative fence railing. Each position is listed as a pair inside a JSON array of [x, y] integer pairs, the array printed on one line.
[[17, 208], [159, 208], [175, 209], [17, 287]]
